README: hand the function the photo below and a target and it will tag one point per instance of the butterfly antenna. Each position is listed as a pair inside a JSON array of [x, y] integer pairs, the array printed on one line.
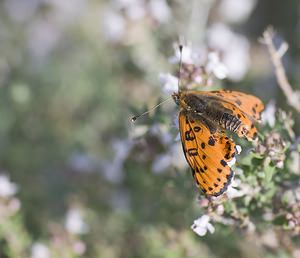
[[133, 119], [180, 65]]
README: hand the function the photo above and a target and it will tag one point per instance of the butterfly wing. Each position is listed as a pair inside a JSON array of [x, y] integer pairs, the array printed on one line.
[[248, 104], [245, 107], [209, 155]]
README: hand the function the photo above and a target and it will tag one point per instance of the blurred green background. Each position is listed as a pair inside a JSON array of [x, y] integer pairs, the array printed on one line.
[[72, 73]]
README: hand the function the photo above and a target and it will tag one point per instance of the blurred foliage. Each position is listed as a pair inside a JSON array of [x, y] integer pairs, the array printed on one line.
[[89, 183]]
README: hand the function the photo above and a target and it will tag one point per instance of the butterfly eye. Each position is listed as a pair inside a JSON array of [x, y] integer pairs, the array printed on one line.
[[175, 97]]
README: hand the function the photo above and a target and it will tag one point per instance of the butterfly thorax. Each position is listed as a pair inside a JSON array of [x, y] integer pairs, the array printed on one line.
[[207, 110]]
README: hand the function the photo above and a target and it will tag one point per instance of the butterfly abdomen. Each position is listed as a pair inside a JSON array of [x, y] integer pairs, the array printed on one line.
[[223, 117], [230, 122]]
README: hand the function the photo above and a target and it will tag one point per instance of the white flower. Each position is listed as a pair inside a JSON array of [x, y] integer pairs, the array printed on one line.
[[74, 222], [170, 83], [268, 116], [39, 250], [136, 11], [233, 192], [215, 66], [231, 162], [238, 149], [237, 58], [113, 26], [238, 189], [242, 9], [219, 36], [160, 10], [234, 49], [202, 225], [187, 55], [7, 188]]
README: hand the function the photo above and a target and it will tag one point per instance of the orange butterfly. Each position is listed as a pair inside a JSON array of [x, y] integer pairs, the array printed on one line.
[[203, 118]]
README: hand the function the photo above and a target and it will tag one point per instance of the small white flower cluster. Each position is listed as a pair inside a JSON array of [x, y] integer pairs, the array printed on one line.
[[119, 13], [268, 115], [7, 188], [215, 66], [190, 56], [40, 250], [234, 48], [242, 9], [74, 222], [9, 203], [169, 82], [202, 225]]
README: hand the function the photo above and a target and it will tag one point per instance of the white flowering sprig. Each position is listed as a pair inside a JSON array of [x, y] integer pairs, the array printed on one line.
[[75, 223], [197, 70], [215, 66], [202, 225]]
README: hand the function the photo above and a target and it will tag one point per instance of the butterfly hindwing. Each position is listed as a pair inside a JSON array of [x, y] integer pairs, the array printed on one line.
[[208, 154]]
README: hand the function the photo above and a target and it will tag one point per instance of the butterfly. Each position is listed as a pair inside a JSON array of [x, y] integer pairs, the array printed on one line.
[[204, 118]]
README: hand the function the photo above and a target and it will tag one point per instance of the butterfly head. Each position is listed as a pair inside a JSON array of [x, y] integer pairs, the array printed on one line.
[[189, 102], [176, 97]]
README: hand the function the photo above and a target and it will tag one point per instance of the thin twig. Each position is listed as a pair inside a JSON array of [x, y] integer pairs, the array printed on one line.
[[276, 55]]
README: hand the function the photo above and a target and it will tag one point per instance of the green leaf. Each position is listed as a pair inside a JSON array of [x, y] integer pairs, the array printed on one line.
[[280, 220], [269, 172], [257, 155], [298, 148]]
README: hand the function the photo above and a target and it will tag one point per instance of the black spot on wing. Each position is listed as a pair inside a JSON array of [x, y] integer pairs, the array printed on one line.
[[238, 102], [211, 141], [227, 155], [223, 163], [197, 129]]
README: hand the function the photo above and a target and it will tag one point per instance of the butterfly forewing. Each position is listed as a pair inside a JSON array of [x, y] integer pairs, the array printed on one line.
[[231, 110], [248, 104]]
